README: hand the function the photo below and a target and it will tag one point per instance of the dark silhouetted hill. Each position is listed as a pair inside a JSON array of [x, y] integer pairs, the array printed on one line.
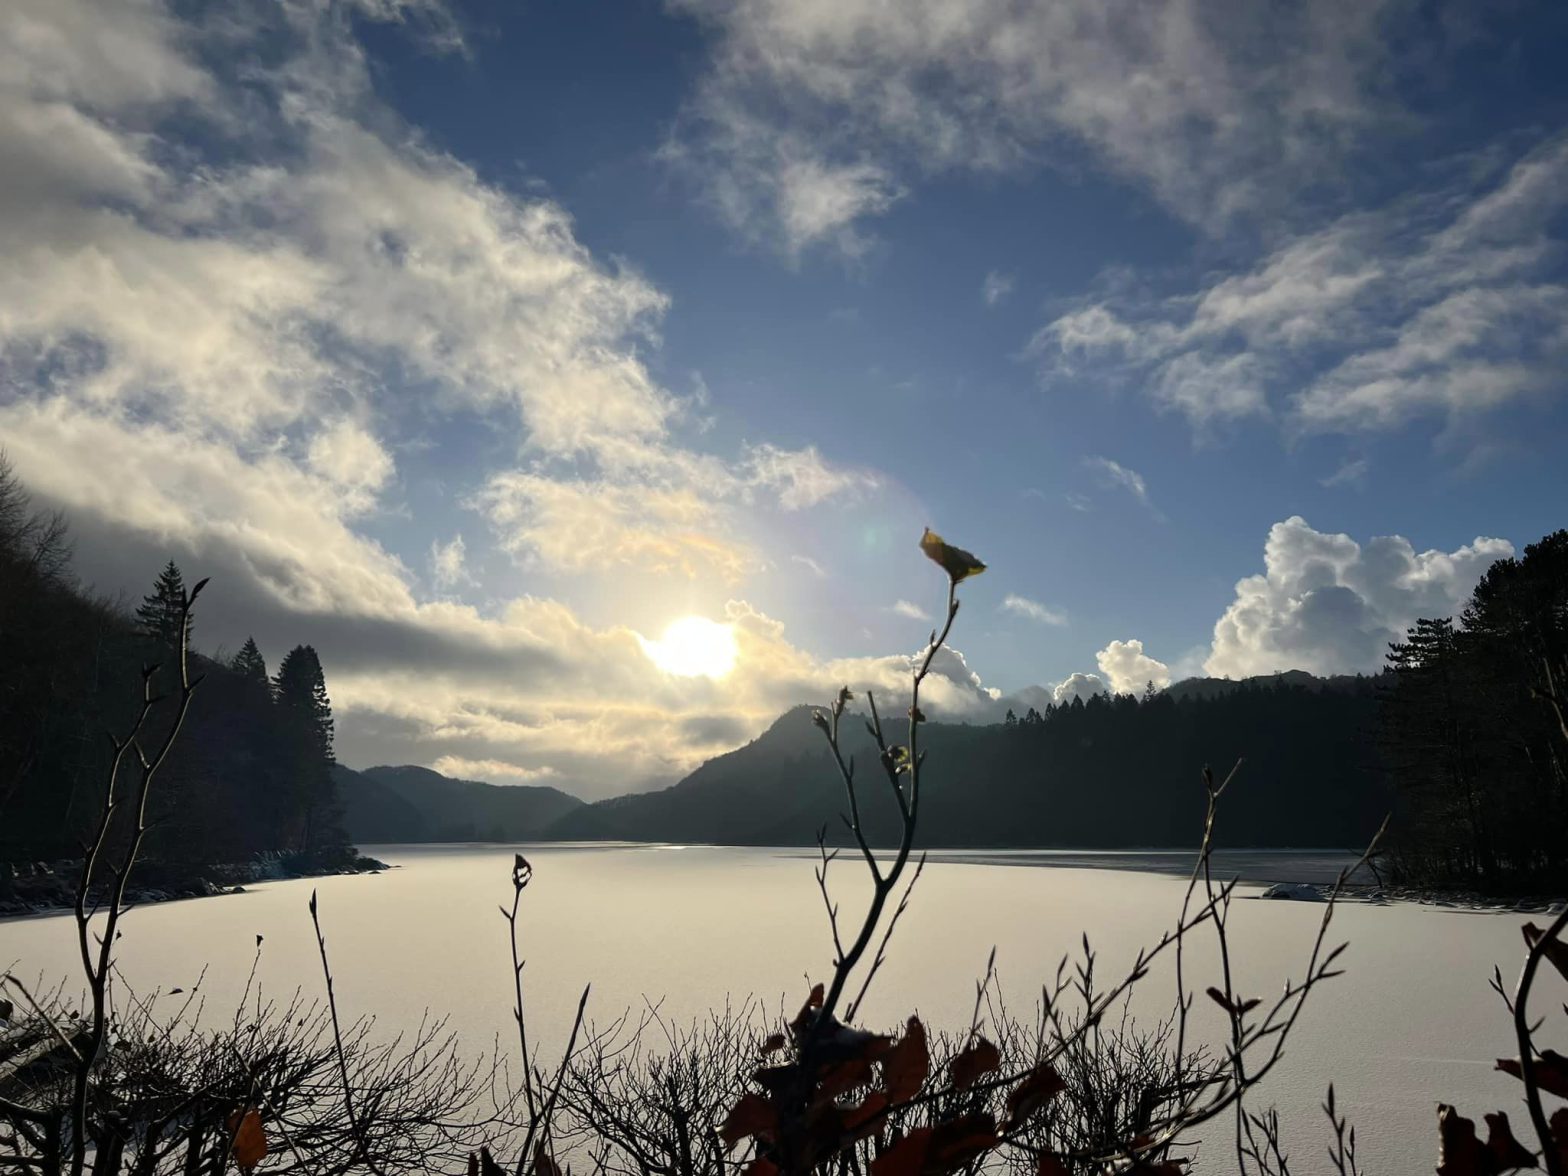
[[389, 804], [1107, 773]]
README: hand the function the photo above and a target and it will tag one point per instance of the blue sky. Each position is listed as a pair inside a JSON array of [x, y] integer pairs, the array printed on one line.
[[475, 343]]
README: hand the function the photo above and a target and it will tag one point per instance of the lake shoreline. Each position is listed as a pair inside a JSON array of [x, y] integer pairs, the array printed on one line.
[[41, 889]]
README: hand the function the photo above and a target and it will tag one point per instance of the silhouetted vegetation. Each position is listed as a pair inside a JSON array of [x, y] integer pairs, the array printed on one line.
[[1471, 736], [251, 774]]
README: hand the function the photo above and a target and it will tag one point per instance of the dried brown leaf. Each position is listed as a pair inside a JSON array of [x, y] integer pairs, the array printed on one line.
[[905, 1067], [974, 1063], [752, 1115]]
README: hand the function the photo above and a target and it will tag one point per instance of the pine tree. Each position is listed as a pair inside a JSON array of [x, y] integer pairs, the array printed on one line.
[[300, 688], [249, 664], [162, 610]]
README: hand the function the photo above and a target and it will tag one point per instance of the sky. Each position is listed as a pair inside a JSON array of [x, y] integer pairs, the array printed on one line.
[[480, 343]]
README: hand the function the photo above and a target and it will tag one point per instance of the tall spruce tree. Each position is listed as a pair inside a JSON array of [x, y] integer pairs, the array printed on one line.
[[249, 664], [161, 611], [300, 688]]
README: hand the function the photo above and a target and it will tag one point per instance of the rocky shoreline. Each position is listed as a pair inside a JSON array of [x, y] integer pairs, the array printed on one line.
[[42, 888]]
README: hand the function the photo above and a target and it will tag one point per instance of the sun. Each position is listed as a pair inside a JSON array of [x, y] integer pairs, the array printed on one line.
[[693, 647]]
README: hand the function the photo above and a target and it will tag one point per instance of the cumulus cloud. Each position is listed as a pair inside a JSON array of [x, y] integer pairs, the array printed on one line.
[[1330, 605], [1080, 685], [811, 118], [1032, 610], [1128, 670], [1447, 303]]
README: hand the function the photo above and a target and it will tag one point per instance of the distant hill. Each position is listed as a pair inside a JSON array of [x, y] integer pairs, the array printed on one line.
[[391, 804], [1213, 687], [1106, 773]]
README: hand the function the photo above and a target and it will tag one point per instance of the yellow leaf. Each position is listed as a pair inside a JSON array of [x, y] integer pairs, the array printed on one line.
[[955, 561]]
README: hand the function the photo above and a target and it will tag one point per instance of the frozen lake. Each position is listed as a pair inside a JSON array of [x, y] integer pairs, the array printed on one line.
[[1411, 1024]]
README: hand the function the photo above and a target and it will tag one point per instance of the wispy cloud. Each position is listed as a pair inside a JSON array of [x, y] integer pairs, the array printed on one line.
[[1448, 303], [997, 287], [1113, 473], [907, 608], [1032, 610], [1351, 472], [812, 119]]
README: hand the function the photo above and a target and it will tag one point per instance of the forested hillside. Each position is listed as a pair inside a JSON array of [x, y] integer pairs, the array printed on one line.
[[1102, 773], [251, 770], [416, 804]]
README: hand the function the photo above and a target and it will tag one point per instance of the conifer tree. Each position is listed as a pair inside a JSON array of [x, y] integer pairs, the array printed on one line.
[[300, 689], [162, 610], [249, 664]]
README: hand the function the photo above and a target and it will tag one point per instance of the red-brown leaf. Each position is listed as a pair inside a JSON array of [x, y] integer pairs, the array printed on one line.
[[867, 1117], [1039, 1087], [804, 1018], [1051, 1166], [1551, 1071], [752, 1115], [249, 1147], [774, 1043], [905, 1067], [762, 1166], [974, 1063], [1459, 1152], [957, 1141], [1507, 1152], [845, 1076], [907, 1157]]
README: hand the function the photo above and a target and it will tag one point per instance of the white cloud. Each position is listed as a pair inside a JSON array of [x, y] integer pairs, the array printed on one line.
[[908, 608], [801, 478], [812, 117], [579, 526], [1080, 685], [1448, 303], [997, 287], [1330, 605], [1113, 473], [1351, 472], [1129, 670], [346, 454], [492, 771], [1032, 610], [449, 563]]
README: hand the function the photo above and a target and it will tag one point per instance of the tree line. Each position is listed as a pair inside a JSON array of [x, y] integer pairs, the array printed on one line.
[[1471, 732], [251, 772]]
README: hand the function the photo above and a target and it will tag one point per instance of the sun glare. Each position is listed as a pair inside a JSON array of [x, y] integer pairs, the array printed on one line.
[[692, 647]]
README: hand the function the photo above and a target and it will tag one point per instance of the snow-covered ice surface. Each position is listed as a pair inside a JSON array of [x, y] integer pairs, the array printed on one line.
[[1411, 1024]]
